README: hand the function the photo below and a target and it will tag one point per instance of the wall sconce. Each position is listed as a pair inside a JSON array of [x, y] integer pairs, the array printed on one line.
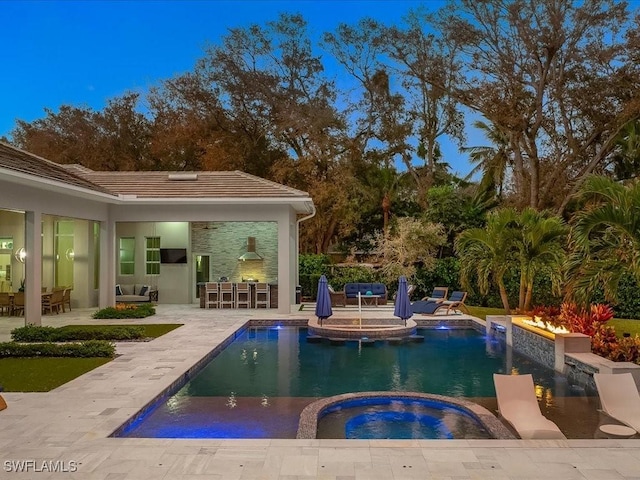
[[70, 254], [20, 254]]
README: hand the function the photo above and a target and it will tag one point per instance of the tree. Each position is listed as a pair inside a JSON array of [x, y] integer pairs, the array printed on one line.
[[540, 247], [409, 242], [493, 161], [486, 254], [625, 159], [605, 239], [543, 74], [113, 139]]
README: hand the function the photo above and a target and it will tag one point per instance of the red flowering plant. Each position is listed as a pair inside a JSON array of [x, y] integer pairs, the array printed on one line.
[[580, 320]]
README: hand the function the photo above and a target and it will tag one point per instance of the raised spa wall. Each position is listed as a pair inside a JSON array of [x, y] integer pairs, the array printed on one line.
[[567, 353]]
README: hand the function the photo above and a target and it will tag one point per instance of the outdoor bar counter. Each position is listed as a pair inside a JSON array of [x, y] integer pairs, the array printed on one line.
[[273, 294]]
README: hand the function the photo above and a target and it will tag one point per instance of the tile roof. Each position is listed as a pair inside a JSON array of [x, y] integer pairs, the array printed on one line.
[[13, 158], [153, 184], [148, 184]]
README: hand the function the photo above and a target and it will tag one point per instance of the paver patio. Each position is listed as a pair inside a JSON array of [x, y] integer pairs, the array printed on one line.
[[71, 424]]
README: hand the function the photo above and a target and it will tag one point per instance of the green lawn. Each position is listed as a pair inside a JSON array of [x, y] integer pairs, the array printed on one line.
[[152, 330], [43, 374], [46, 373], [622, 325]]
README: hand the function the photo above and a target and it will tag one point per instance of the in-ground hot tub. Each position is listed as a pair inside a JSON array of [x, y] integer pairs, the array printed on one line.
[[398, 415]]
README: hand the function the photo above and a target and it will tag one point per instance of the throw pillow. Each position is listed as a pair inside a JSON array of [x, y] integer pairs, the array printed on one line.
[[118, 290], [144, 290]]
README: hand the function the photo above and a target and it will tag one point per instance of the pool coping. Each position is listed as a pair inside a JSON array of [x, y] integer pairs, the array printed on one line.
[[308, 425]]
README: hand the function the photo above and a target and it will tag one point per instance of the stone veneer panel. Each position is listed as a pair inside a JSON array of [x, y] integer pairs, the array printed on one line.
[[536, 347], [226, 241]]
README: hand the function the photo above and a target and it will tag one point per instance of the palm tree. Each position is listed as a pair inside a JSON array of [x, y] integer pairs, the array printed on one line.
[[488, 252], [605, 238], [626, 157], [492, 161], [540, 248]]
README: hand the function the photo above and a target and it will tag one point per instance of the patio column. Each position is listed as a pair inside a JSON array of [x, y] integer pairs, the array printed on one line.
[[33, 268], [108, 264], [286, 291]]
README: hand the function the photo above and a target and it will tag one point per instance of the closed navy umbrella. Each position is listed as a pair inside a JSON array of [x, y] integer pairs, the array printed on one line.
[[323, 300], [402, 307]]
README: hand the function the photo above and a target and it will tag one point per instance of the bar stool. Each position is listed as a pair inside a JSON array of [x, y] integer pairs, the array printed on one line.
[[226, 295], [212, 295], [243, 295], [262, 295]]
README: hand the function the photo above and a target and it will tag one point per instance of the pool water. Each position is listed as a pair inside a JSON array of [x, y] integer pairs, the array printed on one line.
[[380, 418], [259, 384]]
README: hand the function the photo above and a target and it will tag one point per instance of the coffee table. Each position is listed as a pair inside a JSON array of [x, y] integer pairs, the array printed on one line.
[[370, 299]]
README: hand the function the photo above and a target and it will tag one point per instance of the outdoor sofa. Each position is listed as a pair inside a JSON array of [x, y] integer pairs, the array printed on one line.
[[132, 293], [351, 291]]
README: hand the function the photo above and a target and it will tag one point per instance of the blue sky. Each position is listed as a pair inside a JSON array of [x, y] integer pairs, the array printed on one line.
[[85, 52]]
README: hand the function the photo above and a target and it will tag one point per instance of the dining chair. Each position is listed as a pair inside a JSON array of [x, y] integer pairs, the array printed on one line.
[[66, 299], [18, 303], [5, 303], [53, 302]]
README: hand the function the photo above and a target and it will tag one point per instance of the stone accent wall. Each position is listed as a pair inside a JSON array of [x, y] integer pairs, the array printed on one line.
[[580, 373], [226, 241], [534, 346]]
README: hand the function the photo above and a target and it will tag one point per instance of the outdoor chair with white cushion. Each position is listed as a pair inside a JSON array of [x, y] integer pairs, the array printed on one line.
[[619, 397], [518, 405]]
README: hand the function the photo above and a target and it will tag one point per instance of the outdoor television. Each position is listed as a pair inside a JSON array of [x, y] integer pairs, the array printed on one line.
[[173, 255]]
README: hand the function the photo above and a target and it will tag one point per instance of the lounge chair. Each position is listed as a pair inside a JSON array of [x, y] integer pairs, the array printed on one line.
[[455, 302], [619, 397], [518, 405], [439, 294]]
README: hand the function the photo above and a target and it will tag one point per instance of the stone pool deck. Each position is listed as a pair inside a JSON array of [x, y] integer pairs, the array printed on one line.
[[71, 425]]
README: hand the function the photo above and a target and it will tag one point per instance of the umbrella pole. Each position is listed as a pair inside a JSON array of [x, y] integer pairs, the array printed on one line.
[[360, 309]]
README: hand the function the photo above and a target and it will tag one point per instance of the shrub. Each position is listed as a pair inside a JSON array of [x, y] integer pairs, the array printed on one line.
[[91, 348], [32, 333], [126, 310]]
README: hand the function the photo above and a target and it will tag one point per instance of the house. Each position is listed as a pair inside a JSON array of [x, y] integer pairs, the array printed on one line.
[[67, 225]]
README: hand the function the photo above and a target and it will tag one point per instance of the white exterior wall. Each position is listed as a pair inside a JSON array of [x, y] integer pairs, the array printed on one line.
[[44, 199], [283, 215], [36, 202]]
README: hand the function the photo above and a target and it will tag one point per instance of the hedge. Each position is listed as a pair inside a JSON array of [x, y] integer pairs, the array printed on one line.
[[446, 273], [91, 348], [33, 333]]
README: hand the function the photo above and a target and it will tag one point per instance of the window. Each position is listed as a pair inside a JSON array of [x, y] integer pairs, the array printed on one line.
[[64, 252], [127, 255], [153, 255], [96, 255]]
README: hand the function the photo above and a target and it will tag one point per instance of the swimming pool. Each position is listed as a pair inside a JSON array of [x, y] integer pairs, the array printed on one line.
[[259, 384]]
